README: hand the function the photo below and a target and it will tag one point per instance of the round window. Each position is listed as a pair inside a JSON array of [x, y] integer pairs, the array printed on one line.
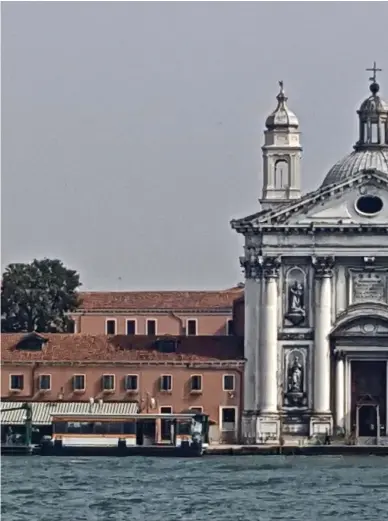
[[369, 205]]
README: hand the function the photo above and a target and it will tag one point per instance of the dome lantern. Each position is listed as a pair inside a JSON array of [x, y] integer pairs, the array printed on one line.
[[373, 117], [371, 149]]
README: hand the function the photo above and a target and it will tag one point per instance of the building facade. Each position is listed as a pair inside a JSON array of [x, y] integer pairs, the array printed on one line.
[[316, 287], [153, 313], [160, 375]]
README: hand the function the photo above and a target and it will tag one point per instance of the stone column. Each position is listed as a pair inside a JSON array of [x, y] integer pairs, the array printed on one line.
[[340, 391], [269, 339], [323, 274], [251, 323], [250, 344]]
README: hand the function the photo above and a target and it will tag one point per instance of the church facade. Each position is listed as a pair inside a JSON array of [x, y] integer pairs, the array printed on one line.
[[316, 287]]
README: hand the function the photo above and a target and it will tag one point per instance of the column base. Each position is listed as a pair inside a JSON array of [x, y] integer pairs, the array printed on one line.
[[248, 427], [321, 424], [268, 428]]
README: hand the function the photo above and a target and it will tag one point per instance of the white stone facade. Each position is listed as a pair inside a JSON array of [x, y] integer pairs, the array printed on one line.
[[316, 294]]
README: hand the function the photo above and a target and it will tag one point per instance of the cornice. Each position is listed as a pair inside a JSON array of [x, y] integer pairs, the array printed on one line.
[[314, 229]]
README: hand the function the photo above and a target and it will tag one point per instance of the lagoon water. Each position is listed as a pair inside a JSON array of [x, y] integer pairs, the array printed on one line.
[[227, 488]]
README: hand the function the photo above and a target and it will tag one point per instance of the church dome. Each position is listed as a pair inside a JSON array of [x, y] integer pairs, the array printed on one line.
[[282, 116], [371, 149], [355, 162]]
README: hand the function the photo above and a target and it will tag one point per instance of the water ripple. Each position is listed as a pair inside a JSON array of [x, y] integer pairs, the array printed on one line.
[[218, 488]]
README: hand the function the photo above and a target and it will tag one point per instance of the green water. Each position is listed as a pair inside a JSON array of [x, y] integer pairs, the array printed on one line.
[[251, 488]]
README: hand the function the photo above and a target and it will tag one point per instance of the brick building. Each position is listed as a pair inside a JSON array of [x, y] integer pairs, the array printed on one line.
[[160, 374], [153, 313]]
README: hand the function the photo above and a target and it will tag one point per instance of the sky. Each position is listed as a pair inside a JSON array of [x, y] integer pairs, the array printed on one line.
[[132, 132]]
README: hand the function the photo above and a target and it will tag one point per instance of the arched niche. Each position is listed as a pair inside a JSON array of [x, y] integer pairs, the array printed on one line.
[[296, 298], [281, 174], [295, 380]]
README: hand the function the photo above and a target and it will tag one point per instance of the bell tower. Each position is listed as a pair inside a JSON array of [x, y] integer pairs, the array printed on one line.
[[281, 156]]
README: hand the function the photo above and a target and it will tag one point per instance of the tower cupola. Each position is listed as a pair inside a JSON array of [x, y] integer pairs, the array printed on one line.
[[281, 155]]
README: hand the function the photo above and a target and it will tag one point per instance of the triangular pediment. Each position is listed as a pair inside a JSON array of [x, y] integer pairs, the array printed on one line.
[[329, 205]]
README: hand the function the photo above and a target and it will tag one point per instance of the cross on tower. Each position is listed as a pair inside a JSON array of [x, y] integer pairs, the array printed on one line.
[[374, 69]]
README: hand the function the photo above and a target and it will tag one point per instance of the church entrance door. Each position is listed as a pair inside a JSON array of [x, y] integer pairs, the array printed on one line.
[[368, 397], [368, 420]]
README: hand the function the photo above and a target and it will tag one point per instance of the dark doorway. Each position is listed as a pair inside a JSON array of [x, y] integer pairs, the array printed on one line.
[[165, 425], [369, 388], [367, 420]]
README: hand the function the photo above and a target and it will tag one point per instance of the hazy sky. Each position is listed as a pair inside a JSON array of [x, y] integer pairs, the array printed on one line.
[[131, 132]]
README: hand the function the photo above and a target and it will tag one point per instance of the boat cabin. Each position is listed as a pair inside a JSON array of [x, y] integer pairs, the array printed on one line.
[[130, 430]]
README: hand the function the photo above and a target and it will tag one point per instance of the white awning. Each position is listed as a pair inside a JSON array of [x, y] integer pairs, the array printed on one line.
[[43, 411]]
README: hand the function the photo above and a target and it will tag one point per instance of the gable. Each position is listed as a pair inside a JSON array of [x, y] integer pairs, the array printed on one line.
[[353, 205], [329, 205]]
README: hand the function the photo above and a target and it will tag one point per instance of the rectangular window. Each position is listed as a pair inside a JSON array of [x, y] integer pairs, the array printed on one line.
[[229, 327], [151, 327], [108, 382], [192, 327], [165, 425], [79, 382], [229, 382], [111, 326], [198, 410], [228, 419], [166, 382], [71, 327], [196, 383], [131, 327], [45, 382], [16, 382], [131, 382]]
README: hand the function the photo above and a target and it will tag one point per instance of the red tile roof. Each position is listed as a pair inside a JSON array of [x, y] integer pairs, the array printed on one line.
[[120, 348], [164, 300]]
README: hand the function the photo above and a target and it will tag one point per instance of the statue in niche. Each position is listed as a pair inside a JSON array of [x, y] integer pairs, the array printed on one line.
[[296, 311], [295, 395], [295, 376]]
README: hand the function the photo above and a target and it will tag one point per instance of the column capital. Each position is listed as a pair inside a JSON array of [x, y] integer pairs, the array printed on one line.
[[256, 266], [339, 355], [251, 266], [271, 267], [323, 266]]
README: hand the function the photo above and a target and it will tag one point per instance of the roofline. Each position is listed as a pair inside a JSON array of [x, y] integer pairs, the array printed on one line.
[[232, 363], [216, 311]]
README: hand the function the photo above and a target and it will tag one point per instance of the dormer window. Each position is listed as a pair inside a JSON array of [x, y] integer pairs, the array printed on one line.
[[166, 345], [31, 342]]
